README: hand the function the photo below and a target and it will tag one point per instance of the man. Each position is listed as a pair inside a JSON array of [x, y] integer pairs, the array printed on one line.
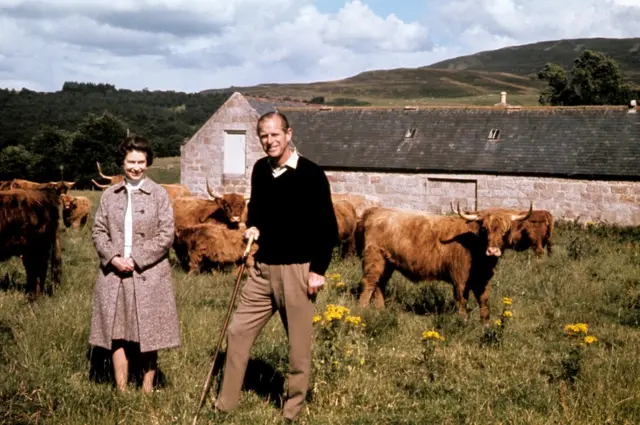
[[292, 215]]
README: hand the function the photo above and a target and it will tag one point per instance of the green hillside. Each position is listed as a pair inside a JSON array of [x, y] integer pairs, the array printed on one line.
[[475, 79], [528, 59]]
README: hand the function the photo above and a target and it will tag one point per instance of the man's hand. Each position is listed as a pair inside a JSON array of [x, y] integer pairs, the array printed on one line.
[[252, 231], [316, 283], [123, 265]]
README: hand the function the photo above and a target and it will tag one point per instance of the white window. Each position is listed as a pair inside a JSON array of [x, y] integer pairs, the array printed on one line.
[[494, 134], [234, 153]]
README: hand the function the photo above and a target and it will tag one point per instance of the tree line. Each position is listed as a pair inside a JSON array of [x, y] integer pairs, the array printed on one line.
[[46, 136]]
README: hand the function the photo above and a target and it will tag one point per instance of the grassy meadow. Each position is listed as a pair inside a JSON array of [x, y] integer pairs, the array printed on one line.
[[527, 371]]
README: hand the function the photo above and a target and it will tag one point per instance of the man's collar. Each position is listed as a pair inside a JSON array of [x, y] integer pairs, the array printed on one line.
[[292, 162]]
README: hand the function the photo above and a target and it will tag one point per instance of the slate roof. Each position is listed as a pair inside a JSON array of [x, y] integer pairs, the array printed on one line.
[[262, 106], [579, 142]]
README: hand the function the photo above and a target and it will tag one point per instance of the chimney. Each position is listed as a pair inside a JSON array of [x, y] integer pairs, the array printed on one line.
[[633, 106], [503, 99]]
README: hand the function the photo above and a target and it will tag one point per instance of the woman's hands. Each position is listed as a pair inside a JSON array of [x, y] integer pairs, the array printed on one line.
[[123, 265]]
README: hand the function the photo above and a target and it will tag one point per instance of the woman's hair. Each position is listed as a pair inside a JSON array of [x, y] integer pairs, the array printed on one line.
[[270, 115], [135, 143]]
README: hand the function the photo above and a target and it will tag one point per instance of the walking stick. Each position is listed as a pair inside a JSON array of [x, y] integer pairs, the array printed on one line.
[[207, 382]]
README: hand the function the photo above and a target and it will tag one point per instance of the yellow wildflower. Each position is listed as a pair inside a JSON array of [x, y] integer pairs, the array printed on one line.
[[577, 328], [335, 312], [506, 301], [317, 318], [340, 284], [507, 314], [354, 320], [590, 339], [498, 323], [426, 335]]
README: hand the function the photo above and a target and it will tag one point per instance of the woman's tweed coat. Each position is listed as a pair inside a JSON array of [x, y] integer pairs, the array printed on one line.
[[153, 234]]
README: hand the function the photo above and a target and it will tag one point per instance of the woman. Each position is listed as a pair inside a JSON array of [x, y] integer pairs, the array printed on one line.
[[134, 309]]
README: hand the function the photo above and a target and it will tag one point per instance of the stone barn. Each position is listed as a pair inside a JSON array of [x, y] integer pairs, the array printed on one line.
[[577, 162]]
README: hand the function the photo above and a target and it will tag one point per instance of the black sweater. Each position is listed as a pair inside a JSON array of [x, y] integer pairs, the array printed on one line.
[[294, 215]]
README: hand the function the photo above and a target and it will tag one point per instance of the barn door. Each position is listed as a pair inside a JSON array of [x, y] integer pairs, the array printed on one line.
[[442, 191]]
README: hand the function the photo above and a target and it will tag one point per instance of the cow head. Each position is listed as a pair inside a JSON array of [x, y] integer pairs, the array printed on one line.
[[62, 186], [67, 201], [495, 225], [232, 204]]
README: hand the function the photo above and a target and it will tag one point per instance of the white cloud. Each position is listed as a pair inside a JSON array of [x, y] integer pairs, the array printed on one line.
[[489, 24], [193, 45]]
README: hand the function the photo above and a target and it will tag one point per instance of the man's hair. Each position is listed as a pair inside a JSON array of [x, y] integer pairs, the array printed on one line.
[[135, 143], [271, 115]]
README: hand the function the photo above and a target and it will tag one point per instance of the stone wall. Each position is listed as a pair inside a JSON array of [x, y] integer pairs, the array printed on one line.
[[609, 201], [202, 156]]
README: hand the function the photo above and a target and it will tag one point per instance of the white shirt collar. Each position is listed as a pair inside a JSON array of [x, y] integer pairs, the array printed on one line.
[[133, 184], [292, 162]]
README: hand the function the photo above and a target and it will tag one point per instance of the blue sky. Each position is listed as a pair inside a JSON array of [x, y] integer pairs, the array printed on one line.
[[193, 45], [407, 10]]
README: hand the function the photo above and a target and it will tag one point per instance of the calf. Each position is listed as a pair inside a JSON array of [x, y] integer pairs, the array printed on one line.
[[212, 246], [75, 211]]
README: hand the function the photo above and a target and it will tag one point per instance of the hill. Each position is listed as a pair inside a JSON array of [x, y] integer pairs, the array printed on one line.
[[474, 79], [416, 86], [526, 60]]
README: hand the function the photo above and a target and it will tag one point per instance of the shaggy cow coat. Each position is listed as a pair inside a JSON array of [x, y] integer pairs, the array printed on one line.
[[153, 234], [347, 221]]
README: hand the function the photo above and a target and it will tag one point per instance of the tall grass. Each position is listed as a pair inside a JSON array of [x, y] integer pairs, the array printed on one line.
[[593, 278]]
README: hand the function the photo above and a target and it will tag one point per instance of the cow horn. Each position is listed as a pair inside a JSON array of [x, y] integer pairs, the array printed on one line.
[[523, 216], [212, 193], [469, 217], [101, 174], [101, 186], [247, 198]]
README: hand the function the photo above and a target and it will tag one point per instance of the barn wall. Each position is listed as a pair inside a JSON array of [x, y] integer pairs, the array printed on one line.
[[202, 156], [613, 202]]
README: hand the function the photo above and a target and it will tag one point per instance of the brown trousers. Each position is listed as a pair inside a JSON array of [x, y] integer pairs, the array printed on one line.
[[270, 288]]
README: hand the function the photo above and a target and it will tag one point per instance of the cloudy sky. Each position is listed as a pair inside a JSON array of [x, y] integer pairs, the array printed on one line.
[[192, 45]]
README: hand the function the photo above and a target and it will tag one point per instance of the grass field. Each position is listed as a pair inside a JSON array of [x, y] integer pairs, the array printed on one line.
[[165, 170], [527, 372]]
